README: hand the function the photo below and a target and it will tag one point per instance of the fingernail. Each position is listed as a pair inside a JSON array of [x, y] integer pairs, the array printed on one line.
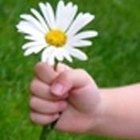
[[57, 89]]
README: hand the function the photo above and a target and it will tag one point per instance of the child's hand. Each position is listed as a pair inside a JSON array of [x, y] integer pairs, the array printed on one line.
[[69, 95]]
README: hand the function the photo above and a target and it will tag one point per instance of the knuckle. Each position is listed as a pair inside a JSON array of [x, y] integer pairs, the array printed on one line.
[[33, 86], [32, 117], [36, 119], [39, 119], [32, 102]]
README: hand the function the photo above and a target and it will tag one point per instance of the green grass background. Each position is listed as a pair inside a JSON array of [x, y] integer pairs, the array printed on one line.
[[114, 60]]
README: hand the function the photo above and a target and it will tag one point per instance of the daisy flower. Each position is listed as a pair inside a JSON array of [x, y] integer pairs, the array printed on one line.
[[57, 34]]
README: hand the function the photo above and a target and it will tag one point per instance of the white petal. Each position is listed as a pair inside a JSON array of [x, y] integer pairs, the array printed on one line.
[[61, 53], [33, 49], [39, 48], [47, 53], [33, 38], [79, 43], [27, 28], [29, 52], [32, 44], [67, 56], [81, 21], [79, 40], [34, 22], [58, 53], [77, 54], [65, 15], [48, 14], [71, 12], [59, 56], [29, 44], [83, 43], [86, 34], [51, 60], [60, 14], [40, 18]]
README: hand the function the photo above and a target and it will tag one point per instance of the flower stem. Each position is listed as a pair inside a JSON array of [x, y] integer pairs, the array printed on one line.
[[47, 129], [45, 132]]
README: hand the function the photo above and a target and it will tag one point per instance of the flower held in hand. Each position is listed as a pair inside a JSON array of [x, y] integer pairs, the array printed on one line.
[[56, 34]]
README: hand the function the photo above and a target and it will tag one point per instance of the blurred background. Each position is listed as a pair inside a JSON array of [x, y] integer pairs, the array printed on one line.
[[114, 60]]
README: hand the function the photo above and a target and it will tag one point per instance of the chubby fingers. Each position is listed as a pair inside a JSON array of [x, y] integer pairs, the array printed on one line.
[[46, 107], [45, 111], [41, 90], [43, 119]]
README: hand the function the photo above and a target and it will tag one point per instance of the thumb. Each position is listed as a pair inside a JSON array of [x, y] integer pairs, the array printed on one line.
[[68, 80]]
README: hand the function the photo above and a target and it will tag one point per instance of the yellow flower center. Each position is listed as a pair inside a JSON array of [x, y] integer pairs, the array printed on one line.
[[56, 38]]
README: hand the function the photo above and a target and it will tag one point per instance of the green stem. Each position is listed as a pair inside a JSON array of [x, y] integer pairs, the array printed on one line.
[[56, 63], [45, 132]]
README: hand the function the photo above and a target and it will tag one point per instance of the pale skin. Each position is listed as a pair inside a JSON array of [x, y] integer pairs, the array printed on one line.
[[72, 97]]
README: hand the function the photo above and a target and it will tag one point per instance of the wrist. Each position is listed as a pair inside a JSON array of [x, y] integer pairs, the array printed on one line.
[[98, 117]]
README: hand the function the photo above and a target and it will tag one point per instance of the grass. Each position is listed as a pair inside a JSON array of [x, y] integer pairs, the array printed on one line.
[[113, 60]]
